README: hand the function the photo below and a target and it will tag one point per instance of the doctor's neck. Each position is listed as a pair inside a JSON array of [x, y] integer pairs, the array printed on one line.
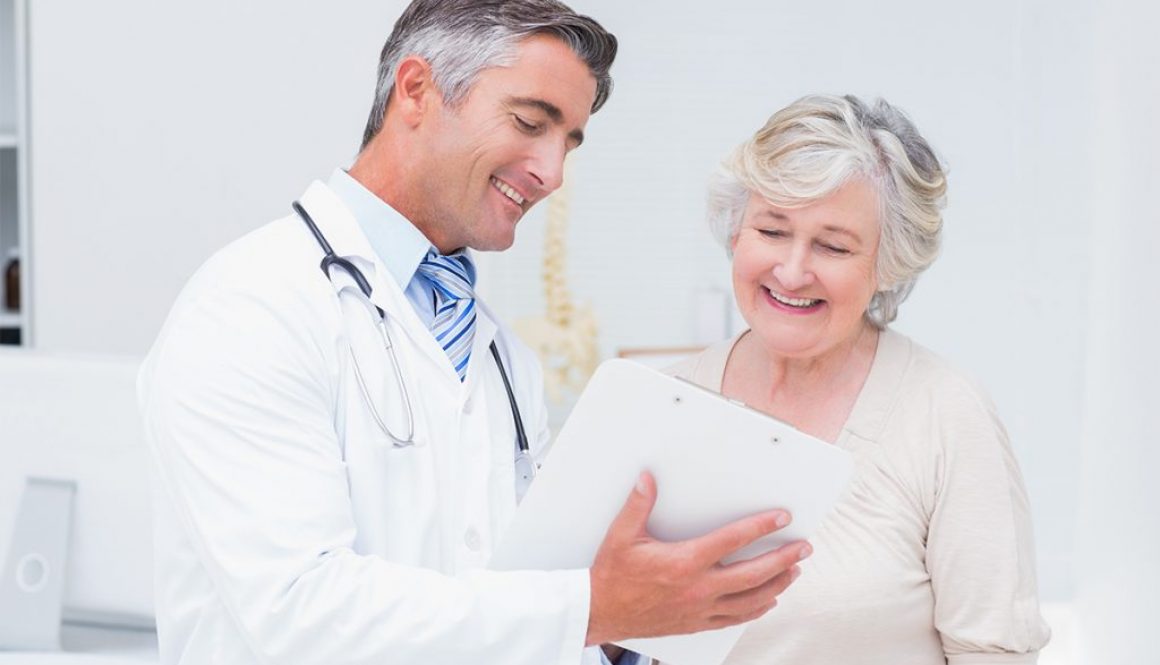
[[385, 170]]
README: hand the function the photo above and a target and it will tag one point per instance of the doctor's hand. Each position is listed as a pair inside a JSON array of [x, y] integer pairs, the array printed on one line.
[[643, 587]]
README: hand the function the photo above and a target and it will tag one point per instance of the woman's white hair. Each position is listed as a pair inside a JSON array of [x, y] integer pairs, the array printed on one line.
[[812, 147]]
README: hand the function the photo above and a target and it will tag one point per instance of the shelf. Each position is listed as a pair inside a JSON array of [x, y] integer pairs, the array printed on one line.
[[14, 220]]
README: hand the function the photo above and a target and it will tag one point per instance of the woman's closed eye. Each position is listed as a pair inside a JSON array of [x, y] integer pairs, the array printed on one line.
[[831, 248]]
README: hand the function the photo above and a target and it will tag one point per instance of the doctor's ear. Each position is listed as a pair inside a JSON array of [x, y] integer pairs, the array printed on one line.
[[415, 92]]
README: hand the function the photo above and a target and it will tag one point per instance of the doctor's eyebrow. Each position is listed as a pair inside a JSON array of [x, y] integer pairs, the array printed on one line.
[[552, 111]]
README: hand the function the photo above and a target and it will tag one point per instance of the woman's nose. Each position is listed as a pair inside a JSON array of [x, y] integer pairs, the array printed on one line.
[[793, 272]]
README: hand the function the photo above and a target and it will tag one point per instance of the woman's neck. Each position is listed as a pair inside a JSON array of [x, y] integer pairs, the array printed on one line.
[[814, 394], [817, 373]]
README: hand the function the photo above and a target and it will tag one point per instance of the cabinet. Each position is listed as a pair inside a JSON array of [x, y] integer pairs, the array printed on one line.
[[14, 316]]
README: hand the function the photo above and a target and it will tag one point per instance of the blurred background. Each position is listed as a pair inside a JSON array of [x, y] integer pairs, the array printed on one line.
[[137, 137]]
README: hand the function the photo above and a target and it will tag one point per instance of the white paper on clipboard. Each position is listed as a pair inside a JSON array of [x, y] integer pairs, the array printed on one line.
[[714, 461]]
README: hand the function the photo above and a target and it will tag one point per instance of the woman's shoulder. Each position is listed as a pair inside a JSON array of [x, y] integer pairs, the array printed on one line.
[[932, 397], [926, 373], [706, 368]]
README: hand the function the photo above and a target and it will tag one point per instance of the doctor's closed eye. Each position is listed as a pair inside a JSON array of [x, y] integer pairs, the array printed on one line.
[[527, 126]]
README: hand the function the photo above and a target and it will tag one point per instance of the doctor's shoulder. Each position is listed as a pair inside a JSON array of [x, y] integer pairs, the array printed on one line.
[[277, 261], [269, 277]]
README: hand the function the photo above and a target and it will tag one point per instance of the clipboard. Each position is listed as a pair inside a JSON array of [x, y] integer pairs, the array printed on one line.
[[715, 460]]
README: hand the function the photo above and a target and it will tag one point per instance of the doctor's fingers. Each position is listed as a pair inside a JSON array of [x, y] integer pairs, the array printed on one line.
[[750, 605], [739, 617], [630, 522], [744, 576], [720, 543], [758, 599]]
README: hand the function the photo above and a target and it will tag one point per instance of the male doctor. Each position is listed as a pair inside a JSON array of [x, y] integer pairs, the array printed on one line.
[[333, 468]]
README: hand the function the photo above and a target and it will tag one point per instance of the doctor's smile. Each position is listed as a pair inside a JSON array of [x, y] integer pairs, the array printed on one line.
[[508, 191]]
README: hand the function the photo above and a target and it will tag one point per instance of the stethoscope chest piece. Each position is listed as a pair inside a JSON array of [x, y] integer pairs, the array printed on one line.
[[525, 473]]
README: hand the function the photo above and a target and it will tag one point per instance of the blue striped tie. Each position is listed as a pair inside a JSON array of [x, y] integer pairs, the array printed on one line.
[[454, 324]]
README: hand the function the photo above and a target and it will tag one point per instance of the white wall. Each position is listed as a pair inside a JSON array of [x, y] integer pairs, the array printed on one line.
[[1119, 536], [174, 128], [162, 130]]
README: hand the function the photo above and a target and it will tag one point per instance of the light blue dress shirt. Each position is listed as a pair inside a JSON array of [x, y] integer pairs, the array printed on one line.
[[401, 247]]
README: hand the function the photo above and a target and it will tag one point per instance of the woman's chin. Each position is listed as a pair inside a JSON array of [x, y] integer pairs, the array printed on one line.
[[787, 343]]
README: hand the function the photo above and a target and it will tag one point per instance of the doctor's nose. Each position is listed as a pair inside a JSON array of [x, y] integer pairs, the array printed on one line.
[[793, 272], [546, 167]]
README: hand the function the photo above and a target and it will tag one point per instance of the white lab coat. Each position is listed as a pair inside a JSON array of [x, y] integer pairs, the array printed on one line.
[[289, 529]]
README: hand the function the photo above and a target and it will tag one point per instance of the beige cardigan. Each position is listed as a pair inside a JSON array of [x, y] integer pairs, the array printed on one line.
[[929, 557]]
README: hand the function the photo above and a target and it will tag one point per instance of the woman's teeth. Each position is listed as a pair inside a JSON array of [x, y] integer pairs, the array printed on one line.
[[507, 190], [794, 302]]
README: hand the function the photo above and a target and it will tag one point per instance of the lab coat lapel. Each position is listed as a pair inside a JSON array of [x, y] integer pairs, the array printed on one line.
[[481, 360], [348, 241]]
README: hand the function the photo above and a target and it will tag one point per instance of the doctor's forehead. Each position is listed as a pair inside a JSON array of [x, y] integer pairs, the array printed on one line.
[[546, 75]]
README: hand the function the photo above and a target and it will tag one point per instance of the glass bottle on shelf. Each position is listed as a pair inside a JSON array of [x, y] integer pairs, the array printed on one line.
[[12, 281]]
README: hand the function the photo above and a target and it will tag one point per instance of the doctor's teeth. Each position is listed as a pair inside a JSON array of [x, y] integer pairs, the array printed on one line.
[[507, 190]]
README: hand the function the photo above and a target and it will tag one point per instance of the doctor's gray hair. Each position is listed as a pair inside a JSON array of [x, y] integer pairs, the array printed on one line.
[[461, 38], [809, 149]]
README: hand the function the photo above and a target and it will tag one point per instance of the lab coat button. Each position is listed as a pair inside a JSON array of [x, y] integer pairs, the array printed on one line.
[[468, 405], [471, 539]]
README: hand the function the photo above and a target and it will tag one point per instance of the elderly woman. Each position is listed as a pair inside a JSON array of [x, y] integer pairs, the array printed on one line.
[[830, 213]]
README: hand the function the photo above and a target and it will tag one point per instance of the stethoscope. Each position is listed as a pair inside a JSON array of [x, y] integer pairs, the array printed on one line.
[[525, 465]]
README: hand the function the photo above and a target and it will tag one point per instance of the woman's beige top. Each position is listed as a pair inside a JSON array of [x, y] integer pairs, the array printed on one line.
[[928, 558]]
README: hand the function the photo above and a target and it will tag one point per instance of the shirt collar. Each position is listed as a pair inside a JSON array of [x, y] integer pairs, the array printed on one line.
[[396, 241]]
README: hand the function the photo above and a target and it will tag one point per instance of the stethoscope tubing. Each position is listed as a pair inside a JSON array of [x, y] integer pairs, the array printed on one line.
[[329, 260]]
